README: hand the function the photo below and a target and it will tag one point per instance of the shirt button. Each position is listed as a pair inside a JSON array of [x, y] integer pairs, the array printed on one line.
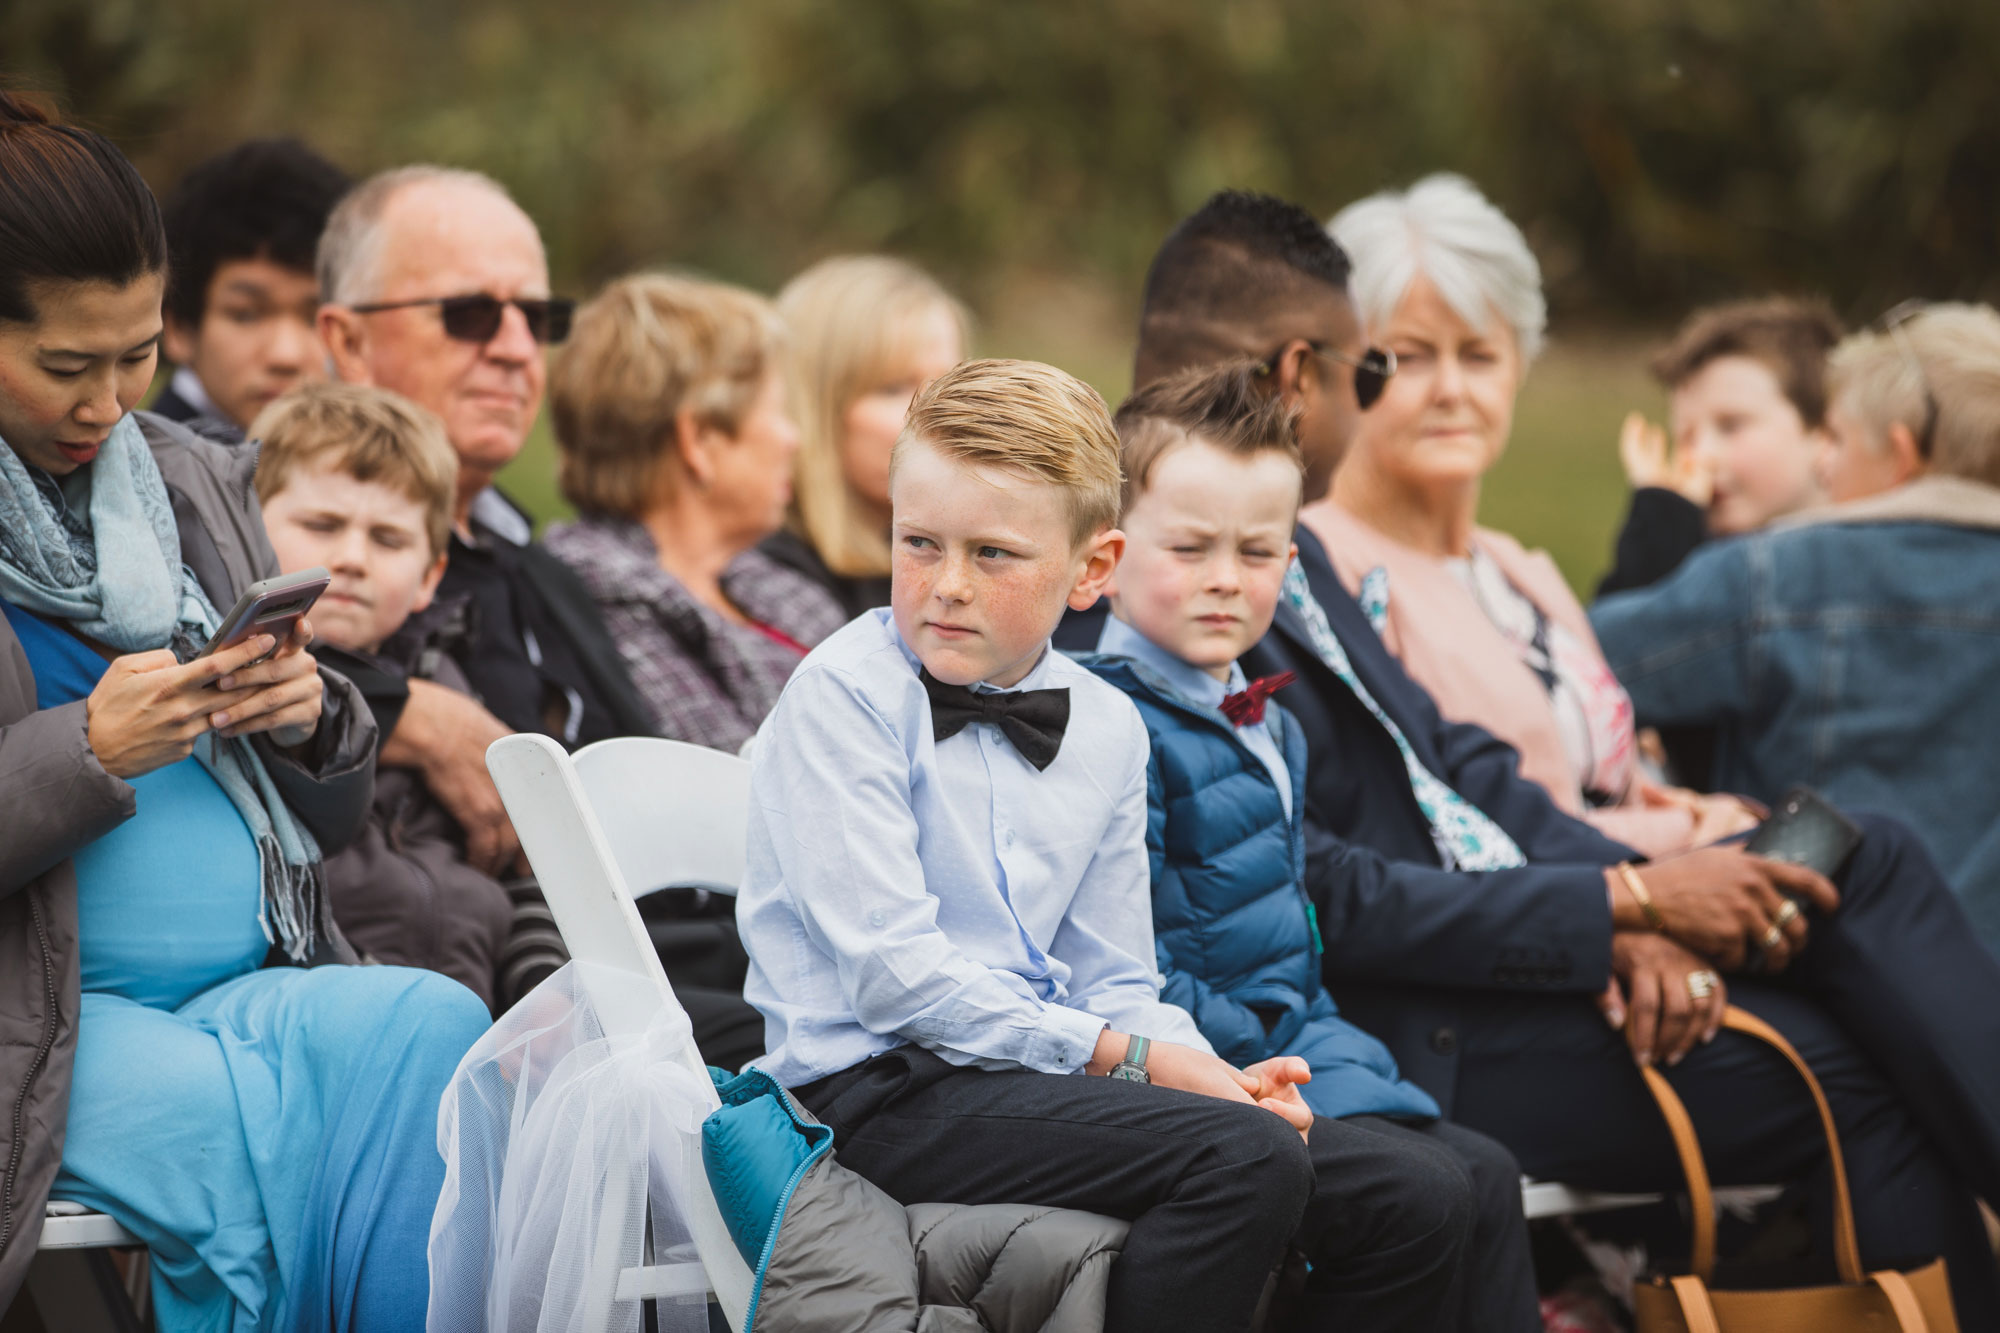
[[1007, 839], [878, 918], [1444, 1041]]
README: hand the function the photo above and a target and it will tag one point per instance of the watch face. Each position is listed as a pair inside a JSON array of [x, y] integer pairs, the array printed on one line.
[[1130, 1073]]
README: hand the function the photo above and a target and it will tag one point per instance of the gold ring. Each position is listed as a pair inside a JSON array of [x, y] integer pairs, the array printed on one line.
[[1701, 984], [1773, 937], [1788, 912]]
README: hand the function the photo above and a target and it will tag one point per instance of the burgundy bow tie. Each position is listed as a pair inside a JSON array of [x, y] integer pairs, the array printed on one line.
[[1245, 708]]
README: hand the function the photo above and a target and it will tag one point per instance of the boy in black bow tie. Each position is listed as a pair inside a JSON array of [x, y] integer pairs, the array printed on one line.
[[1212, 487], [947, 915]]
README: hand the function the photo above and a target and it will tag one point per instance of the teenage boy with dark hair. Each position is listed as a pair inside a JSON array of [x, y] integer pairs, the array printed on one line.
[[947, 914], [1211, 496], [242, 229], [1470, 924], [1747, 422]]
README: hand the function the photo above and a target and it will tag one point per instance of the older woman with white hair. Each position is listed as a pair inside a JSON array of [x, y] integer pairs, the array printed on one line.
[[1448, 284]]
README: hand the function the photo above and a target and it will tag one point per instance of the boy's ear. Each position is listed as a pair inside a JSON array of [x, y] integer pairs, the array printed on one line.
[[432, 577], [1101, 555], [181, 341]]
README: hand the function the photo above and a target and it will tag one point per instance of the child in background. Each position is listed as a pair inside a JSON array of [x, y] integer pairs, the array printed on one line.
[[361, 481], [947, 918], [1747, 414], [1212, 490]]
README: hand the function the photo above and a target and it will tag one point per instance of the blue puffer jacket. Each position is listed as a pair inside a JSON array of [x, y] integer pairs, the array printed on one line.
[[1236, 934]]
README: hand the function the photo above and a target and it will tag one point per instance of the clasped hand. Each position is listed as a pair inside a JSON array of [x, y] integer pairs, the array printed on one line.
[[1272, 1084], [149, 709]]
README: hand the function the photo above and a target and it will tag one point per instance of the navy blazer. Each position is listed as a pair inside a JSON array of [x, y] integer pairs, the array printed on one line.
[[1410, 945]]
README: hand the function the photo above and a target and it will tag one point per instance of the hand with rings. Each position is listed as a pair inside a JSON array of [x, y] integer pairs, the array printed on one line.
[[1788, 911], [1665, 998]]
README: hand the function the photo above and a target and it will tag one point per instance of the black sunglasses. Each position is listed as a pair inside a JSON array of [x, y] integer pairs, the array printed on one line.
[[476, 319], [1893, 325], [1372, 369]]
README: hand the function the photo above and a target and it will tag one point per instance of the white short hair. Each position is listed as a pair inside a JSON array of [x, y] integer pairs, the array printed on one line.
[[350, 249], [1445, 229]]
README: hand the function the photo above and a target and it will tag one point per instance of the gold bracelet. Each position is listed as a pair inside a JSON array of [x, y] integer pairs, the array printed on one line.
[[1637, 889]]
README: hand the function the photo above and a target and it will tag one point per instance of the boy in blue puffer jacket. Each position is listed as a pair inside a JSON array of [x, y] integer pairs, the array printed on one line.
[[1212, 489]]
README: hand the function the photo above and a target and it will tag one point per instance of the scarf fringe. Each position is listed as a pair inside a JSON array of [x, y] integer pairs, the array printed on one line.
[[289, 910]]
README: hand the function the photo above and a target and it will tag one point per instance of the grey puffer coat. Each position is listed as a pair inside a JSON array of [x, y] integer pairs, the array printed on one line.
[[55, 798]]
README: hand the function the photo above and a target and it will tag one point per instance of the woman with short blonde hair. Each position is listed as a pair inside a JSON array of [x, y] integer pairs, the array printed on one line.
[[676, 449], [867, 332]]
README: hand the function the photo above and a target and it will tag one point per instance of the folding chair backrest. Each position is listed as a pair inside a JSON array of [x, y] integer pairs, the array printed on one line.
[[676, 815], [587, 894]]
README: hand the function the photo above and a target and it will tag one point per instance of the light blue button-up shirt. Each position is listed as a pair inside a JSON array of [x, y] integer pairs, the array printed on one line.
[[944, 893], [1198, 687]]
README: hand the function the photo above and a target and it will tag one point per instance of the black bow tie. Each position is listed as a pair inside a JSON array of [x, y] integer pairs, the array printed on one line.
[[1033, 719]]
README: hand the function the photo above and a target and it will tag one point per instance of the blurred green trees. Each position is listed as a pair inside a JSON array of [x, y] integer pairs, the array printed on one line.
[[1658, 152]]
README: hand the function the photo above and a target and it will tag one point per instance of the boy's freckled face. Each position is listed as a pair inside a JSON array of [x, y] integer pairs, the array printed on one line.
[[1207, 545], [983, 565], [371, 537]]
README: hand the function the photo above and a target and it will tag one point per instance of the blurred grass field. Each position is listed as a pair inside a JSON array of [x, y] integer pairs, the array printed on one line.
[[1559, 485]]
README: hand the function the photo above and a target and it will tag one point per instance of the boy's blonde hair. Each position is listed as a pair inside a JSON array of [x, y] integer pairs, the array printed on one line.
[[367, 433], [851, 321], [1228, 405], [642, 351], [1951, 349], [1028, 418]]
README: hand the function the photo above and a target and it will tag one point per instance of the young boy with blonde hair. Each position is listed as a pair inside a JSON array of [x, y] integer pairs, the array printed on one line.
[[948, 919], [362, 481], [1213, 479]]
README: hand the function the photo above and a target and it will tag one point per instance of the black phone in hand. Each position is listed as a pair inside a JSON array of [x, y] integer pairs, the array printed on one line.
[[1807, 830]]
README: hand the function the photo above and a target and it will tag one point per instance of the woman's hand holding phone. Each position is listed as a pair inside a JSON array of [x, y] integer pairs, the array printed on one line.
[[148, 710], [284, 692]]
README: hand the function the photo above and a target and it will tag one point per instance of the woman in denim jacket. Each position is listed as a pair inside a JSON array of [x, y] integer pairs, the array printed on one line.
[[1857, 648]]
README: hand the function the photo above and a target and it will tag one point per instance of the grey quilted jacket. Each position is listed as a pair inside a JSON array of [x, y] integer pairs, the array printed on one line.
[[829, 1251]]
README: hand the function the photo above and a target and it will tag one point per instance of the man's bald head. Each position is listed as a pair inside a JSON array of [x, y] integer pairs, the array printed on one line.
[[398, 245]]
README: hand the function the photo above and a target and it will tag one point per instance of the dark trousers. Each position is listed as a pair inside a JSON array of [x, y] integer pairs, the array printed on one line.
[[1896, 1006], [1215, 1192]]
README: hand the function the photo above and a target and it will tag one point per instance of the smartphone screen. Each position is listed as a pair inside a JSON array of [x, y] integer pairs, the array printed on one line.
[[1807, 830]]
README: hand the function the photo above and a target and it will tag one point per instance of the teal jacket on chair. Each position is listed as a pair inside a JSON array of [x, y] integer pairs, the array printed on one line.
[[1237, 936]]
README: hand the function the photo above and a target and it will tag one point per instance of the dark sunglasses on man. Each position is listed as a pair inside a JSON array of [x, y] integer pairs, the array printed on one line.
[[1372, 369], [476, 318]]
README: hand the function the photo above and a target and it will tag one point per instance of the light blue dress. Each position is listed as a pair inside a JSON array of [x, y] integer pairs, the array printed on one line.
[[270, 1133]]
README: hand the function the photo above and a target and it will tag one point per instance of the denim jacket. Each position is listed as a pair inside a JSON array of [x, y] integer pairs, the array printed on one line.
[[1856, 650]]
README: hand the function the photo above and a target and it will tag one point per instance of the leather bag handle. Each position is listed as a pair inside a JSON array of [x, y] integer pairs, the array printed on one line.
[[1846, 1247], [1698, 1311]]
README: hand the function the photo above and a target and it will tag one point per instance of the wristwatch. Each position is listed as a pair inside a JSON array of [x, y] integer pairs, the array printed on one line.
[[1133, 1067]]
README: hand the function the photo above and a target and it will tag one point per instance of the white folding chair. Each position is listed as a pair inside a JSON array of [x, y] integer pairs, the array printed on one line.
[[675, 814], [72, 1281], [1547, 1198], [585, 873]]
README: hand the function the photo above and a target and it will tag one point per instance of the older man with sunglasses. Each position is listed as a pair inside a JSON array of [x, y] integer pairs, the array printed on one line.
[[436, 286]]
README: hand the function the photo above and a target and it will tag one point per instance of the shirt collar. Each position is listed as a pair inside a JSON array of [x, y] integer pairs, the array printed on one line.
[[495, 517], [1191, 682], [187, 387]]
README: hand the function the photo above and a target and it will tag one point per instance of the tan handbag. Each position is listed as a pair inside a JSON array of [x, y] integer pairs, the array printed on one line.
[[1884, 1302]]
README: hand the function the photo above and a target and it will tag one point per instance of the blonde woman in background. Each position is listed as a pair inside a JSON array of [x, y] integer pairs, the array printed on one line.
[[867, 333], [676, 448]]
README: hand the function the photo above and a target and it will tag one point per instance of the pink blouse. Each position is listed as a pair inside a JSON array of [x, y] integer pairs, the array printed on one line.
[[1500, 641]]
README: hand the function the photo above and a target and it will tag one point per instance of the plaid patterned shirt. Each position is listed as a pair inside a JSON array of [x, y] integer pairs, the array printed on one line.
[[707, 679]]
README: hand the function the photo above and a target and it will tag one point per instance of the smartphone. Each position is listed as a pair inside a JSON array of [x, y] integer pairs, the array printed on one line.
[[269, 606], [1806, 829]]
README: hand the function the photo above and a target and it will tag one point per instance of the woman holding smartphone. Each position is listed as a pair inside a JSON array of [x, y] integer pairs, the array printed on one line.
[[267, 1131]]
